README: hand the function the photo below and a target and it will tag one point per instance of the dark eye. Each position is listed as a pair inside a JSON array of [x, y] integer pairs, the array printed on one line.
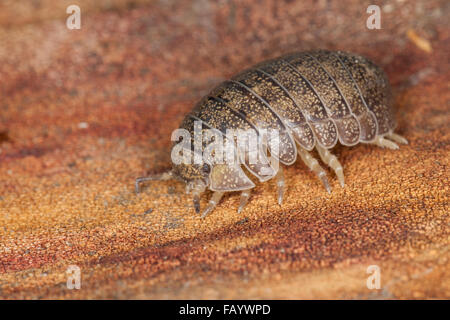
[[206, 168]]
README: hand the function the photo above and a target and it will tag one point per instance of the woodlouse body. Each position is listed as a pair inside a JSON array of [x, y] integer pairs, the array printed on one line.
[[314, 99]]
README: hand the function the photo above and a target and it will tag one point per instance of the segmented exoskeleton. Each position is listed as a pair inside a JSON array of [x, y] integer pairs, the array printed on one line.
[[313, 99]]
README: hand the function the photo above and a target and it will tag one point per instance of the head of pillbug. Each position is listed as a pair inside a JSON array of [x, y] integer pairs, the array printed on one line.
[[198, 177]]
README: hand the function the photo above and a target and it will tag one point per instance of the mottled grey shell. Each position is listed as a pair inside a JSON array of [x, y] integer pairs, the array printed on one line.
[[311, 98]]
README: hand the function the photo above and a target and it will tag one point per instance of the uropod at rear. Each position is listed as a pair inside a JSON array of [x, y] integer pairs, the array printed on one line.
[[274, 111]]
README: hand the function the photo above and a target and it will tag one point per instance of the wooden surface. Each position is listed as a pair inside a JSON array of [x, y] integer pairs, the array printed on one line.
[[85, 112]]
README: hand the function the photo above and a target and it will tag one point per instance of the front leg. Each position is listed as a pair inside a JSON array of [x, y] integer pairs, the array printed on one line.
[[213, 202]]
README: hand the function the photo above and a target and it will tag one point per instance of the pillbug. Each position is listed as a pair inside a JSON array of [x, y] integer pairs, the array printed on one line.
[[313, 99]]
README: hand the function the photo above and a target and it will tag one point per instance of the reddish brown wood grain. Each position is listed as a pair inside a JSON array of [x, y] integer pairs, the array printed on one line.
[[85, 112]]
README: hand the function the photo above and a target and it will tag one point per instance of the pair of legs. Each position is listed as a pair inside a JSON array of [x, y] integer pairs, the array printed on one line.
[[327, 157]]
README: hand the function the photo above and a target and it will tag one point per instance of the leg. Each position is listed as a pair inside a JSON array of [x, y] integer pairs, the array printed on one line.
[[331, 161], [244, 198], [197, 203], [314, 166], [197, 190], [397, 138], [280, 185], [212, 202], [384, 143]]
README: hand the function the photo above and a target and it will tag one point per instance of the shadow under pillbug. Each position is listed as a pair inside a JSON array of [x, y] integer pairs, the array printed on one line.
[[313, 99]]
